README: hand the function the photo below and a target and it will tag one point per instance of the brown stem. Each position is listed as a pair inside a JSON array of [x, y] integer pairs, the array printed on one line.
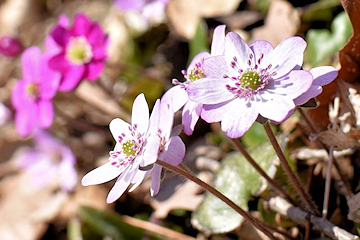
[[292, 177], [348, 191], [274, 184], [219, 195]]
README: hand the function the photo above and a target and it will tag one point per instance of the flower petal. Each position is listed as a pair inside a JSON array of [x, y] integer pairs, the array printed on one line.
[[140, 114], [151, 151], [58, 62], [190, 116], [118, 127], [155, 180], [61, 36], [25, 119], [198, 59], [102, 174], [81, 25], [71, 78], [323, 75], [94, 70], [166, 120], [50, 80], [138, 179], [218, 67], [176, 97], [218, 41], [285, 56], [237, 121], [45, 115], [31, 64], [260, 49], [121, 185], [210, 91], [235, 46], [67, 175], [215, 112], [18, 94], [312, 92], [174, 151], [96, 36], [274, 107]]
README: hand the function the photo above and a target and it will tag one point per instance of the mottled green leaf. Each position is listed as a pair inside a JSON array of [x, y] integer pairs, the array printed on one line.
[[322, 43], [321, 10], [254, 136], [237, 180]]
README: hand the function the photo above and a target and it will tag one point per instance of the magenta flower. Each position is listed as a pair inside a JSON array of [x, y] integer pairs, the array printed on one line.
[[80, 50], [10, 46], [171, 148], [251, 80], [322, 76], [32, 96], [178, 97], [50, 160], [136, 146]]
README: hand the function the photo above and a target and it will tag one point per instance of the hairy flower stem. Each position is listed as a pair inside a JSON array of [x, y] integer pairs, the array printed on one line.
[[345, 183], [219, 195], [291, 175], [272, 183]]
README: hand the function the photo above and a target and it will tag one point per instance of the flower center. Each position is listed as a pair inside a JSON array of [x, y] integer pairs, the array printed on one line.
[[129, 148], [250, 79], [33, 91], [79, 51], [196, 74]]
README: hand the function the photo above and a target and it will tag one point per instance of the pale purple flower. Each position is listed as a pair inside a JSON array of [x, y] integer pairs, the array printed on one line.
[[4, 114], [48, 161], [177, 96], [10, 46], [32, 96], [171, 149], [149, 9], [251, 80], [80, 50], [322, 76], [136, 146]]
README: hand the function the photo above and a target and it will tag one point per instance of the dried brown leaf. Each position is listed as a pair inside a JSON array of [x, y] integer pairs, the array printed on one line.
[[354, 208], [338, 139]]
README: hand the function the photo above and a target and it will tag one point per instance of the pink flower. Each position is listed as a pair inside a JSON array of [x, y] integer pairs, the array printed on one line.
[[50, 160], [322, 76], [178, 97], [80, 50], [251, 80], [171, 149], [32, 96], [136, 146], [10, 46]]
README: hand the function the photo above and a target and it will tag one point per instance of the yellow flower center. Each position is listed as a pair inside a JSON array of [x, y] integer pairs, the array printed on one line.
[[250, 79], [79, 51], [128, 148]]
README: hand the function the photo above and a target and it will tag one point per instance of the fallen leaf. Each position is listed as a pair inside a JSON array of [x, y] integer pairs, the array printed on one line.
[[338, 139], [354, 208], [184, 15], [282, 21]]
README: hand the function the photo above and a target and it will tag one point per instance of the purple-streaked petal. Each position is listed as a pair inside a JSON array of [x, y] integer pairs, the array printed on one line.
[[218, 41], [94, 70], [102, 174], [24, 119], [155, 180], [174, 151], [285, 56], [81, 25], [274, 107], [61, 36], [323, 75], [151, 151], [190, 116], [176, 97], [198, 59], [118, 127], [140, 114], [32, 64], [309, 94], [236, 47], [166, 120], [155, 118], [45, 113], [210, 91], [72, 78], [238, 120], [260, 49], [291, 85], [215, 112], [218, 67], [121, 185]]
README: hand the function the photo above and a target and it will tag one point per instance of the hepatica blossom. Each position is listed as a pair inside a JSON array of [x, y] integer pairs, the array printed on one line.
[[10, 46], [48, 161], [81, 50], [136, 146], [32, 96], [251, 80], [178, 97]]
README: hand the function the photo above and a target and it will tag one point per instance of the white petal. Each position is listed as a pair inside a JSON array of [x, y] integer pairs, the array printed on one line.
[[174, 151], [150, 154], [218, 41], [190, 116], [166, 120], [140, 114], [118, 127], [323, 75], [235, 46], [155, 180], [215, 112], [101, 174], [120, 186], [176, 97]]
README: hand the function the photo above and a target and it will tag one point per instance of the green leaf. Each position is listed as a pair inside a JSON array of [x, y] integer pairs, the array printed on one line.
[[109, 224], [237, 180], [320, 11], [199, 42], [254, 136], [322, 43]]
